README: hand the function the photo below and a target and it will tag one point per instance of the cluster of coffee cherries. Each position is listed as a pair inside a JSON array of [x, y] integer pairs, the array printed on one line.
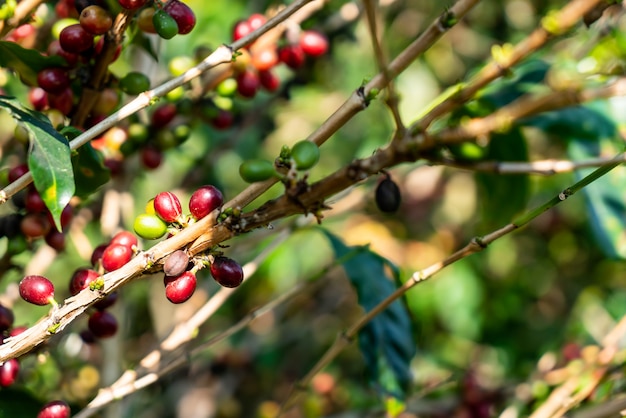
[[254, 67], [164, 214], [33, 220], [81, 35], [302, 156]]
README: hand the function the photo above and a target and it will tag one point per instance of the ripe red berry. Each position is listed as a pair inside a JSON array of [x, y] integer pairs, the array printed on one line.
[[95, 20], [38, 98], [53, 80], [132, 4], [63, 101], [54, 409], [8, 372], [179, 289], [55, 49], [6, 318], [269, 81], [37, 290], [102, 324], [66, 216], [313, 43], [241, 29], [163, 115], [17, 331], [81, 279], [223, 119], [33, 201], [256, 20], [115, 256], [151, 157], [292, 56], [248, 84], [96, 255], [204, 200], [167, 207], [35, 225], [55, 239], [17, 172], [125, 238], [75, 39], [226, 271], [182, 14]]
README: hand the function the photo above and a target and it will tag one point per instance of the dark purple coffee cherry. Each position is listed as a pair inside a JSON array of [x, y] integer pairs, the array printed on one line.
[[204, 200], [81, 279], [179, 289], [37, 290], [388, 197], [6, 318], [227, 272], [102, 324], [54, 409]]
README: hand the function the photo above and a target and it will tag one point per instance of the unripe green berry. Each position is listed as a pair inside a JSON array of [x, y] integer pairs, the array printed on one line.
[[305, 154], [164, 24], [256, 170], [149, 226]]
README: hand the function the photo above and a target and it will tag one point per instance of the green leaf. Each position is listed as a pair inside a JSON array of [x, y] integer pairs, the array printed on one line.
[[26, 62], [590, 133], [387, 341], [15, 403], [503, 196], [48, 158], [89, 171]]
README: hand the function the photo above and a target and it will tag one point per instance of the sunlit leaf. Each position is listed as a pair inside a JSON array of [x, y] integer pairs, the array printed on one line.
[[48, 158]]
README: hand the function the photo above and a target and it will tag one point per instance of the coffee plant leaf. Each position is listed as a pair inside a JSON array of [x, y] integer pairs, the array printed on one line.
[[503, 196], [48, 158], [387, 341], [589, 132], [18, 403], [26, 62]]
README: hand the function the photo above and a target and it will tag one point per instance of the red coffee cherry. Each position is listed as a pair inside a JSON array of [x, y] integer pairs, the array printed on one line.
[[256, 20], [241, 29], [115, 256], [163, 115], [55, 49], [53, 80], [35, 225], [179, 289], [55, 409], [204, 200], [102, 324], [223, 119], [168, 207], [151, 157], [55, 239], [269, 81], [75, 39], [265, 59], [33, 201], [81, 279], [17, 172], [313, 43], [182, 14], [248, 84], [63, 101], [95, 20], [8, 372], [125, 238], [37, 290], [38, 98], [96, 255], [226, 271], [132, 4], [292, 56]]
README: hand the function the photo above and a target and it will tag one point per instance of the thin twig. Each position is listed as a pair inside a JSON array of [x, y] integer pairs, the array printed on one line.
[[477, 244]]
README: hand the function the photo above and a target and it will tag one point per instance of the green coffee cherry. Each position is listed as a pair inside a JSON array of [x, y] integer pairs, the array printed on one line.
[[134, 83], [256, 170], [305, 154], [149, 226], [164, 24]]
